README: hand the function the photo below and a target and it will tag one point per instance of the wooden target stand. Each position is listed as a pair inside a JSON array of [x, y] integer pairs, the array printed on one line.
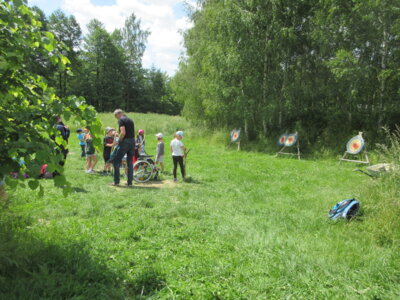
[[282, 151], [359, 161], [363, 153]]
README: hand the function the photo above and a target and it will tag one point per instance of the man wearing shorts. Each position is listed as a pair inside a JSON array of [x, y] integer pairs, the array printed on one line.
[[125, 144]]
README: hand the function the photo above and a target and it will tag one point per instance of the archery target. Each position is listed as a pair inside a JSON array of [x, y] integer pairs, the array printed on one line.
[[282, 139], [291, 140], [235, 135], [355, 145]]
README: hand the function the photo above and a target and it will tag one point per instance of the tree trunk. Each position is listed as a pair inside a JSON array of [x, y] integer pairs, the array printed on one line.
[[381, 111], [264, 86]]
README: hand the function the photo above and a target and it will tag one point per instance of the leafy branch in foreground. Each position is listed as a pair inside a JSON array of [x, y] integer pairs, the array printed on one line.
[[27, 104]]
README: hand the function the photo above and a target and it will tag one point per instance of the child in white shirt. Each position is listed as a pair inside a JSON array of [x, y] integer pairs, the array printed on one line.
[[178, 151]]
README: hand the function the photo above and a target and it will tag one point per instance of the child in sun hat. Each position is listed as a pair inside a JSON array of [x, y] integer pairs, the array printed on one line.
[[178, 151], [160, 151]]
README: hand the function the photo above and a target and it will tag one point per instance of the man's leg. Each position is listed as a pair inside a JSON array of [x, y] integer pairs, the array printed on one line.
[[129, 162], [117, 163]]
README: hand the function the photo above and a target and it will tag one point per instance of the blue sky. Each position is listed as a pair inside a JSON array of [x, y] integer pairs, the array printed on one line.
[[164, 18]]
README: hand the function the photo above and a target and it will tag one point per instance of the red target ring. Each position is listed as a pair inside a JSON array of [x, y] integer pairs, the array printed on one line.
[[291, 140], [355, 145], [282, 139], [235, 135]]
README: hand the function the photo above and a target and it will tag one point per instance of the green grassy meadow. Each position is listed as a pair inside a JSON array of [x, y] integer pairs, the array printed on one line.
[[247, 225]]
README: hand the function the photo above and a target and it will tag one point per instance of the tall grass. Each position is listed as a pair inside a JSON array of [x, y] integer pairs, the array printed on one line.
[[383, 195], [248, 226]]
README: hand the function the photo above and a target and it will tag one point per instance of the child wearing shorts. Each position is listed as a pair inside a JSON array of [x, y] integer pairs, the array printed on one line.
[[91, 158], [81, 135]]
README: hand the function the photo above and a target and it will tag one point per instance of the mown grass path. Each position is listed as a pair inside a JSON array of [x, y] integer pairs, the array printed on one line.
[[248, 226]]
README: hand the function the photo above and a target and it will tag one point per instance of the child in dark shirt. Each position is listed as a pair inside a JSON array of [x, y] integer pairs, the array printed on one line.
[[91, 158], [108, 143]]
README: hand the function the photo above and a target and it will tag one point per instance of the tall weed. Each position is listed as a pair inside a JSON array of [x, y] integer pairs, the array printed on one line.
[[382, 202]]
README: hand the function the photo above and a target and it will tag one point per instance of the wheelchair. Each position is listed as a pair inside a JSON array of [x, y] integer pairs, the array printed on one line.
[[145, 169]]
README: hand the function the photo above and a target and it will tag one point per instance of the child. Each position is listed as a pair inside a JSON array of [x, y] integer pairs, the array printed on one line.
[[160, 151], [80, 136], [141, 142], [108, 143], [178, 151], [91, 158]]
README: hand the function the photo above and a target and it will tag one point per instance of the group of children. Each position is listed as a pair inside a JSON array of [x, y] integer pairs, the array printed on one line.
[[85, 138]]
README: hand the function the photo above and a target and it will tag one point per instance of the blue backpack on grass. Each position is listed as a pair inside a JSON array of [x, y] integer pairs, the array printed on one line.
[[345, 209]]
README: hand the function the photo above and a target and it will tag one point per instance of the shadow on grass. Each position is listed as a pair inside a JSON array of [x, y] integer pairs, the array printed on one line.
[[79, 190], [192, 180], [34, 269]]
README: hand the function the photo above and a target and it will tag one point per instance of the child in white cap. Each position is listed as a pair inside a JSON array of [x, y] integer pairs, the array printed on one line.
[[160, 151], [178, 151]]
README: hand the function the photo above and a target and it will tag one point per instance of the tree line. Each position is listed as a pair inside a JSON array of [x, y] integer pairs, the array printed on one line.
[[105, 68], [326, 69]]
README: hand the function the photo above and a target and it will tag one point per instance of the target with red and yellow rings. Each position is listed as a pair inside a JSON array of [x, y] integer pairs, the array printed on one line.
[[291, 140], [235, 135], [355, 145], [282, 139]]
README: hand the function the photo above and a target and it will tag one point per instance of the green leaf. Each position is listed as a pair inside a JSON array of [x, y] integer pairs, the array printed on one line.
[[11, 182], [49, 35], [49, 47], [33, 184], [64, 60]]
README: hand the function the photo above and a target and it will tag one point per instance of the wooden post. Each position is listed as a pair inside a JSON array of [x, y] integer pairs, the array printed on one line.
[[366, 161], [298, 149], [239, 145]]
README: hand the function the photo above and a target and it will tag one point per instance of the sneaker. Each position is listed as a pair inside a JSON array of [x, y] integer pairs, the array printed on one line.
[[91, 171], [175, 179], [87, 171]]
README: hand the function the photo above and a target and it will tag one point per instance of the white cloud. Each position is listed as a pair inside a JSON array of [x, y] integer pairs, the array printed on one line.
[[165, 42]]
